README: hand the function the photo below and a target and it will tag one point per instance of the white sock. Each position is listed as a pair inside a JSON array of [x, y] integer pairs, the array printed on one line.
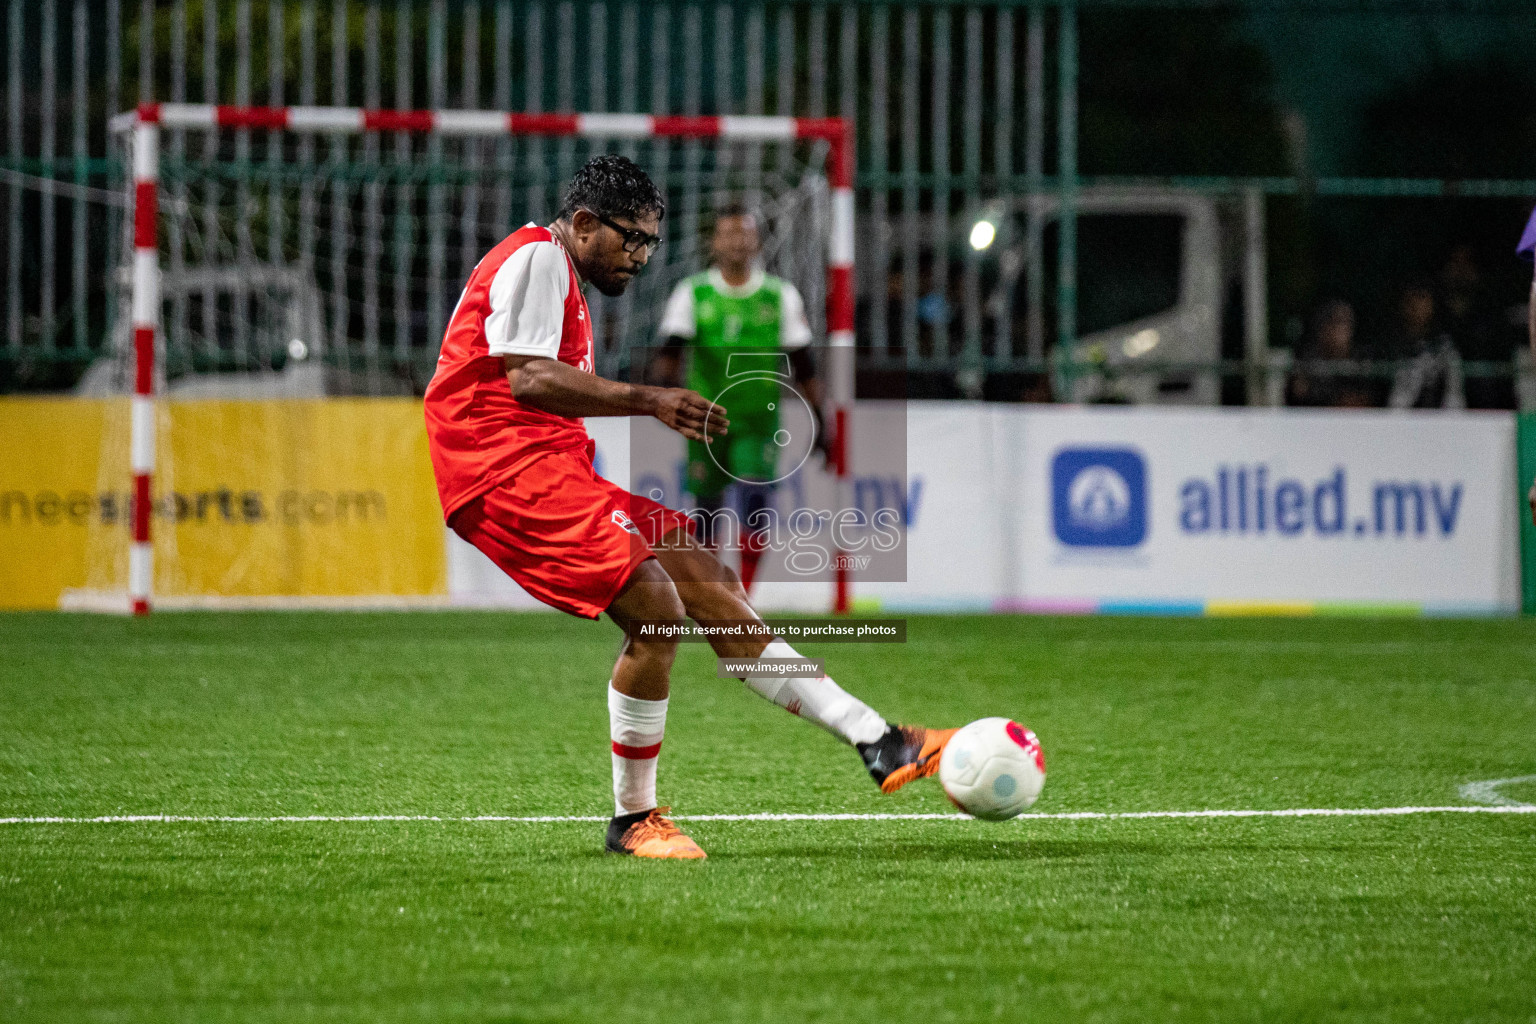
[[820, 700], [636, 727]]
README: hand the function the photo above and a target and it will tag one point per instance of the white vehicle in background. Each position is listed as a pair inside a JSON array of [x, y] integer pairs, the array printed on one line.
[[1155, 269]]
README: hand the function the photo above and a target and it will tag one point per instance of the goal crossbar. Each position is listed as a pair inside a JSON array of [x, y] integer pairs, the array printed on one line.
[[149, 119]]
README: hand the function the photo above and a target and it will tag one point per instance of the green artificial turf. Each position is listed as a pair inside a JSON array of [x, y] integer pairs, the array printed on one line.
[[1428, 917]]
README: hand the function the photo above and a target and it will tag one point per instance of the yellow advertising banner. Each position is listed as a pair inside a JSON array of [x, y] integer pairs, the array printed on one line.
[[50, 452], [292, 498]]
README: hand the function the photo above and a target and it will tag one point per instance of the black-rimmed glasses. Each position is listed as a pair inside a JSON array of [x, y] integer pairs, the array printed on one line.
[[633, 237]]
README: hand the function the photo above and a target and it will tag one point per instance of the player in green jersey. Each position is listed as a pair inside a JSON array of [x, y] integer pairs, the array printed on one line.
[[738, 335]]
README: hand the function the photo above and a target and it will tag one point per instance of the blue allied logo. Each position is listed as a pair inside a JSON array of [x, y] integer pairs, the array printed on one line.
[[1099, 497]]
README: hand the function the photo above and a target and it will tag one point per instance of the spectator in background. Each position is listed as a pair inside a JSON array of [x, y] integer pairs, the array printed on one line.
[[1475, 330], [934, 309], [1326, 373], [1429, 374], [1037, 388]]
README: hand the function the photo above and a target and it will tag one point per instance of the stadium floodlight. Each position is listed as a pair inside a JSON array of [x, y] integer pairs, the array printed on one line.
[[983, 233], [989, 222], [301, 300]]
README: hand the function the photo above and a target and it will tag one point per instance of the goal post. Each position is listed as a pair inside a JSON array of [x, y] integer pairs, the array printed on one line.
[[145, 305], [143, 128]]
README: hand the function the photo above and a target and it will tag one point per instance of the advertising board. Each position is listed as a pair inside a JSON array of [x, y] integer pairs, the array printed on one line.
[[1286, 510]]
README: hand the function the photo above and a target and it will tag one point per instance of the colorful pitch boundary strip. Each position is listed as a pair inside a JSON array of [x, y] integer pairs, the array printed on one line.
[[282, 819], [1215, 609]]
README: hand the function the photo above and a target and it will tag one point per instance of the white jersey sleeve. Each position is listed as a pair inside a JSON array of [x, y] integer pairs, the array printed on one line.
[[528, 296], [678, 319], [794, 328]]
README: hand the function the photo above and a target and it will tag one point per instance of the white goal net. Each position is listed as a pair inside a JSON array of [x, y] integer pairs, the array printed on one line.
[[348, 253], [310, 264]]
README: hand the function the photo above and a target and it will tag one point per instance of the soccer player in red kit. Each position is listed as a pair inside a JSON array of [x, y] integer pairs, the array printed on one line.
[[514, 470]]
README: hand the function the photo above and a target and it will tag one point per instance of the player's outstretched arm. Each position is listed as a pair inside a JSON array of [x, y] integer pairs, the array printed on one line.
[[556, 387]]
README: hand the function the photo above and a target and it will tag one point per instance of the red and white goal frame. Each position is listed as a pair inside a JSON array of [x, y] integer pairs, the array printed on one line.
[[150, 119]]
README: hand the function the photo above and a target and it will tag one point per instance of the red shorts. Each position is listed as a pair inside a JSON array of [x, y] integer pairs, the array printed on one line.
[[566, 535]]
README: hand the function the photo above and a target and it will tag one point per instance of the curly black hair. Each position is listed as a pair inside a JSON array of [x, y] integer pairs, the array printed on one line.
[[612, 186]]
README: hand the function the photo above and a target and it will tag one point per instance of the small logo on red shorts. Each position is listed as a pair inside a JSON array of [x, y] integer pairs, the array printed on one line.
[[624, 523]]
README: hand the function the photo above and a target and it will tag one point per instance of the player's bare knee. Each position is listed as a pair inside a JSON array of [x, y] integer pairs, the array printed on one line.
[[657, 654], [730, 580], [648, 596], [663, 602], [716, 601]]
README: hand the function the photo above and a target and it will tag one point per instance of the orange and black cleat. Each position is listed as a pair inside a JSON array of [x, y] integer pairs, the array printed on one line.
[[648, 834], [904, 753]]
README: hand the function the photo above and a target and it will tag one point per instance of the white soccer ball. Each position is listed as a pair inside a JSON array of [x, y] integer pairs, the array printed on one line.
[[993, 769]]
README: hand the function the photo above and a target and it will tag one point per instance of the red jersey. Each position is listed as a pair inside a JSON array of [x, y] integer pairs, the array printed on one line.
[[523, 298]]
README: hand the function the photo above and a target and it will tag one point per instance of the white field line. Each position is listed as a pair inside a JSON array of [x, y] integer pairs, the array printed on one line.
[[1296, 812], [1487, 792]]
